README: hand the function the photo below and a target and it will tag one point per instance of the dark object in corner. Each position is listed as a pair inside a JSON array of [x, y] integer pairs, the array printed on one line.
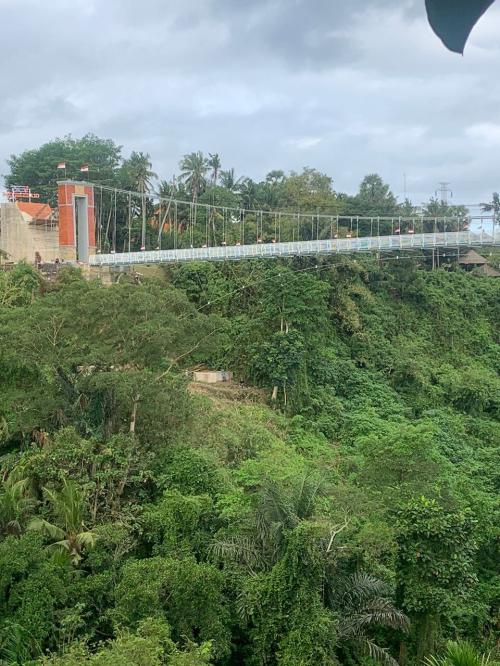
[[453, 20]]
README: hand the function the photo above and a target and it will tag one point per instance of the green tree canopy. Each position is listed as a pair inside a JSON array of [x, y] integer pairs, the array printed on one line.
[[37, 168]]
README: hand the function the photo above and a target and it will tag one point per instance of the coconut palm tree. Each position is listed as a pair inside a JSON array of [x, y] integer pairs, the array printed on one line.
[[139, 173], [68, 532], [493, 206], [16, 500], [194, 169], [229, 180], [215, 164], [166, 189], [248, 192], [275, 177]]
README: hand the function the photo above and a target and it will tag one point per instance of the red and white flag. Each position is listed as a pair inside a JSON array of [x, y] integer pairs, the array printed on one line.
[[61, 165], [84, 167]]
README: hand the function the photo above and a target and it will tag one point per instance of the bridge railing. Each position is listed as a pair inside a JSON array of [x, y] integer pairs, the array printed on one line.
[[300, 248]]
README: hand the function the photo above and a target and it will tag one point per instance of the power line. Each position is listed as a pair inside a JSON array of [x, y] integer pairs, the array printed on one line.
[[317, 267]]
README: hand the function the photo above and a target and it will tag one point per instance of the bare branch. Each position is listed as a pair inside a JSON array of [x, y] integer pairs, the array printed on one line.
[[335, 532]]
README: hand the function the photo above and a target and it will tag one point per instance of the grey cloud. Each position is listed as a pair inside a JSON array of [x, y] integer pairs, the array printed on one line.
[[302, 33], [348, 87]]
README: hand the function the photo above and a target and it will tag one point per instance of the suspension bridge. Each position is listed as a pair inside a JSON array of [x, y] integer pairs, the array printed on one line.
[[394, 243], [117, 222]]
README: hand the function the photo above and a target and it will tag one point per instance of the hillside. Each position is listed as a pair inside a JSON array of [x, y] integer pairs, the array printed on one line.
[[340, 505]]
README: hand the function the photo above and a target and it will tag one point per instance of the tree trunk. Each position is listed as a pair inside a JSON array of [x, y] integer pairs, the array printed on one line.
[[133, 416], [403, 653], [427, 630]]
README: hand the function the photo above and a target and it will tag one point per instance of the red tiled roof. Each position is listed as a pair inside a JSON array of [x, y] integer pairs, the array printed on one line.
[[38, 211]]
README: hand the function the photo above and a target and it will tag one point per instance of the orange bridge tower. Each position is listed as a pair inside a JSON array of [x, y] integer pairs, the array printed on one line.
[[76, 220]]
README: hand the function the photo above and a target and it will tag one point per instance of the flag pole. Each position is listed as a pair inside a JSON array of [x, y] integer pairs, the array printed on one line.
[[61, 166]]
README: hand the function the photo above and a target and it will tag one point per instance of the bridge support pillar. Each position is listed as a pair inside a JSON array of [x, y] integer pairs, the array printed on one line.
[[76, 220]]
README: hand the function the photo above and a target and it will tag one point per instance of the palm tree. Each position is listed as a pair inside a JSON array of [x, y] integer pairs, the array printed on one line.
[[275, 177], [139, 174], [215, 164], [493, 207], [194, 168], [248, 192], [166, 189], [139, 171], [461, 653], [68, 532], [229, 180], [363, 601], [15, 502], [360, 600], [261, 541], [17, 645]]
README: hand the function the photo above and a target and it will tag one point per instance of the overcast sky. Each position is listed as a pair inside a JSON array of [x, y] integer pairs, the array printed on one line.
[[347, 86]]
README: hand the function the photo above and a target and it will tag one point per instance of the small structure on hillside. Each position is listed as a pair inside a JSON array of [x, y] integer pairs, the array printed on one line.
[[212, 376], [474, 262], [489, 271], [29, 232], [37, 213]]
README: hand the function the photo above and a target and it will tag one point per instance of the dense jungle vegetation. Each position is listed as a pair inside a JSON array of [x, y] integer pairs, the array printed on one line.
[[339, 504]]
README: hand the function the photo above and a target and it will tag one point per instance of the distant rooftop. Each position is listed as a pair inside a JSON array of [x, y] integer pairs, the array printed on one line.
[[489, 271], [478, 264], [472, 258], [37, 211]]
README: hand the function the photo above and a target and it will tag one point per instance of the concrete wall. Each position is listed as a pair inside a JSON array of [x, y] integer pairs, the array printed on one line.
[[21, 240], [212, 376]]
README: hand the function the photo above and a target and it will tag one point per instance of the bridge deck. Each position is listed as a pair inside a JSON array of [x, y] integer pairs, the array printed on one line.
[[300, 248]]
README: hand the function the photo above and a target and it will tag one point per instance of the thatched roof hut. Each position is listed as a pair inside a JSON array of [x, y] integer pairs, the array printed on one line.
[[472, 258], [489, 271]]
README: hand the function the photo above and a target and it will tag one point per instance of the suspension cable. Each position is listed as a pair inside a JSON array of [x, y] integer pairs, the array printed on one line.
[[143, 230], [113, 240], [129, 220]]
